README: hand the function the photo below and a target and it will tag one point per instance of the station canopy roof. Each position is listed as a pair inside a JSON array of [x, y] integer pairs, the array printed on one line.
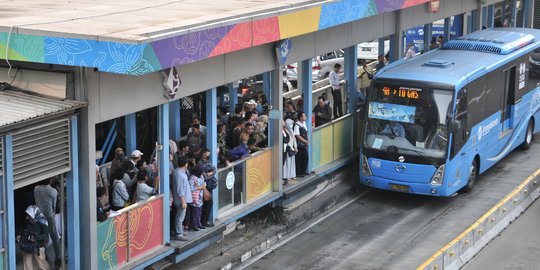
[[137, 37], [21, 108]]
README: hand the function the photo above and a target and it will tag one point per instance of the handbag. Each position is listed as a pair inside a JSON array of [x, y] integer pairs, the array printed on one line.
[[290, 151], [207, 195], [28, 243]]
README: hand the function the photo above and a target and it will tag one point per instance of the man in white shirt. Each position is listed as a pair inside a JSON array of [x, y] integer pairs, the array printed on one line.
[[336, 90], [410, 52]]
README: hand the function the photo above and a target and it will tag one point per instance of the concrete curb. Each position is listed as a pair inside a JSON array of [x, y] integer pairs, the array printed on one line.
[[464, 247]]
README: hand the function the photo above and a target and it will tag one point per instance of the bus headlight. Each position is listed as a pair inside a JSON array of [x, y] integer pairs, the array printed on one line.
[[366, 170], [437, 178]]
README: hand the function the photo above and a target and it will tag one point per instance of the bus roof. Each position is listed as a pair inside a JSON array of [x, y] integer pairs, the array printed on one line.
[[464, 59]]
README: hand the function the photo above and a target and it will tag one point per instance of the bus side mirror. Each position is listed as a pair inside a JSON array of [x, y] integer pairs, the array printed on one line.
[[455, 126]]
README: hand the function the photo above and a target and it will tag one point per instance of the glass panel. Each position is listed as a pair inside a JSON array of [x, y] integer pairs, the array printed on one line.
[[225, 191]]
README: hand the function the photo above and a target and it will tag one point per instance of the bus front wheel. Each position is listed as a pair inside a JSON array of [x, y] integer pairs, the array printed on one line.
[[529, 136], [473, 173]]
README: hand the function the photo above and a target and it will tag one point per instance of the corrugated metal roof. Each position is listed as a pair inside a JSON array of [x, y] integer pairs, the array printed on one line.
[[17, 107]]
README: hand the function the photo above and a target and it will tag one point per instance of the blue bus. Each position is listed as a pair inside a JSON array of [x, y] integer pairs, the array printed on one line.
[[437, 121]]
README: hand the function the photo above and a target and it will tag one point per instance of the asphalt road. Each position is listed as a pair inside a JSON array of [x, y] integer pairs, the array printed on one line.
[[518, 246], [387, 230]]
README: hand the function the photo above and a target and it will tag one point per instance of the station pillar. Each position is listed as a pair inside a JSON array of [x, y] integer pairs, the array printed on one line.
[[164, 164], [174, 120], [211, 141], [131, 133], [72, 185], [306, 84], [233, 97]]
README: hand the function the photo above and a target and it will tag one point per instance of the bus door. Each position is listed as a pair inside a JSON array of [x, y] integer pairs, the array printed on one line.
[[507, 117], [460, 136]]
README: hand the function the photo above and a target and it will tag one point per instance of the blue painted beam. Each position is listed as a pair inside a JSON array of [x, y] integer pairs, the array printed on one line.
[[10, 206], [109, 147], [306, 78], [131, 132], [73, 208], [108, 142], [211, 141], [174, 120], [163, 162]]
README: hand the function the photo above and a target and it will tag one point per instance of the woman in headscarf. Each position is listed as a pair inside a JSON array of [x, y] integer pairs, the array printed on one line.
[[289, 149]]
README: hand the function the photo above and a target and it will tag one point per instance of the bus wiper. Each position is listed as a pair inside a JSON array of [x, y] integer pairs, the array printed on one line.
[[415, 151]]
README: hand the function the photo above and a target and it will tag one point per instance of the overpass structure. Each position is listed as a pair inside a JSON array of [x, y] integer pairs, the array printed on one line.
[[82, 66]]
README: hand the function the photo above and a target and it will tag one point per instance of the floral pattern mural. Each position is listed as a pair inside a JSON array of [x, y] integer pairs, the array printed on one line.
[[140, 59]]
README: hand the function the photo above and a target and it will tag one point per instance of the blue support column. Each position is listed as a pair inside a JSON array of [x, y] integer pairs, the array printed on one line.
[[351, 73], [394, 47], [233, 97], [484, 16], [306, 78], [10, 207], [270, 97], [266, 83], [527, 10], [381, 46], [490, 16], [211, 140], [73, 208], [163, 162], [427, 36], [131, 133], [446, 33], [513, 16], [174, 119]]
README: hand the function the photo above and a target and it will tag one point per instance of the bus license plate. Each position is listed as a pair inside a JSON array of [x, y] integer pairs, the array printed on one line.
[[400, 188]]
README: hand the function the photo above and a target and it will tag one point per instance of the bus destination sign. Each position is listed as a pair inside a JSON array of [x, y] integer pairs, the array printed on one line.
[[402, 92]]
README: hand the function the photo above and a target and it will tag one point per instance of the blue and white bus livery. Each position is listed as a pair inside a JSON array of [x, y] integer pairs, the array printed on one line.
[[436, 121]]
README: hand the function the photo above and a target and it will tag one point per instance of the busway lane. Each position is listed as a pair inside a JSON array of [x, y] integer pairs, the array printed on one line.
[[517, 247], [387, 230]]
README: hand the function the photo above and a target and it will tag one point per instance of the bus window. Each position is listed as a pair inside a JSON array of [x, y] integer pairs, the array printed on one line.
[[494, 92], [408, 120], [534, 69]]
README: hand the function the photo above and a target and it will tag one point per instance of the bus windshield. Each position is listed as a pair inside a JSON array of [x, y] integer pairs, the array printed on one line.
[[408, 120]]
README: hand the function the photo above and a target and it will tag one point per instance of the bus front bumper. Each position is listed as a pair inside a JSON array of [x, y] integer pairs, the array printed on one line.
[[406, 187]]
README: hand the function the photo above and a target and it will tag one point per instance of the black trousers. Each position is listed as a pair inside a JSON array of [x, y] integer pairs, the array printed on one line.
[[301, 161], [338, 111], [206, 211]]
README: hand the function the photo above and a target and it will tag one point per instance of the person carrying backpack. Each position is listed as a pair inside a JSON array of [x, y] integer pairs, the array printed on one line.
[[32, 239]]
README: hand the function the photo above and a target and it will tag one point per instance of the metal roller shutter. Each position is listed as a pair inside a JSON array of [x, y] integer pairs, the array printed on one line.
[[40, 152]]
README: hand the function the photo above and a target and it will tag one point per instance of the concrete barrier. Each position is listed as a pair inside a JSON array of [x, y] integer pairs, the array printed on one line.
[[462, 248]]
